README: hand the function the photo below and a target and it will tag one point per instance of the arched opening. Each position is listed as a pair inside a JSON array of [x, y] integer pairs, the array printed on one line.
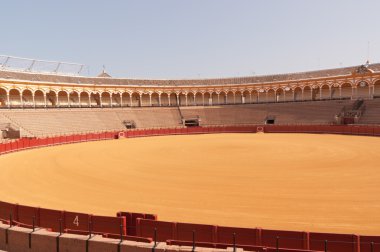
[[164, 99], [270, 95], [307, 93], [74, 99], [125, 99], [346, 91], [63, 99], [362, 90], [335, 92], [254, 96], [39, 99], [173, 99], [288, 94], [376, 89], [14, 98], [222, 97], [84, 99], [190, 99], [27, 98], [136, 100], [246, 97], [51, 99], [155, 100], [280, 95], [298, 94], [116, 100], [198, 99], [3, 98], [230, 98], [145, 100], [261, 96], [106, 99], [182, 99], [325, 92], [207, 99], [95, 100], [238, 97], [214, 98]]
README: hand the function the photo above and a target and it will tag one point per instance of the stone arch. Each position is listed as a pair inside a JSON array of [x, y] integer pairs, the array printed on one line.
[[335, 92], [51, 98], [198, 98], [3, 97], [261, 95], [298, 94], [39, 98], [362, 90], [15, 97], [125, 99], [376, 88], [325, 92], [238, 97], [307, 93], [173, 99], [145, 100], [270, 95], [190, 99], [164, 99], [346, 91], [63, 98], [136, 102], [230, 97], [207, 99], [254, 96], [280, 95], [246, 97], [115, 99], [95, 99], [155, 99], [84, 99], [182, 99], [214, 98], [223, 97], [74, 99], [105, 99], [27, 98]]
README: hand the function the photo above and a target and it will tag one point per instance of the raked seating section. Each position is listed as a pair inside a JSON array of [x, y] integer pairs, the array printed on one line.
[[48, 122]]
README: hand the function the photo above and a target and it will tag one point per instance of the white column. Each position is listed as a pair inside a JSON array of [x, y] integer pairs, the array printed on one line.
[[302, 94], [218, 99], [186, 100], [169, 99], [320, 93], [140, 101], [150, 99], [203, 99], [340, 92], [111, 100], [22, 102], [121, 100], [8, 99], [100, 100], [34, 101], [130, 99], [159, 99], [89, 100], [80, 103], [56, 101], [178, 99], [250, 97], [45, 100], [68, 99]]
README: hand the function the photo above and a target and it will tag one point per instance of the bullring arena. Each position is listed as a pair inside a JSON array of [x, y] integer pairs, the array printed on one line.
[[268, 163]]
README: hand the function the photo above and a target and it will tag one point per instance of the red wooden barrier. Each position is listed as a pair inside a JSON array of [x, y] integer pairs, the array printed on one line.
[[365, 243], [2, 148], [49, 218], [6, 210], [287, 239], [335, 242], [108, 224], [25, 214], [203, 233], [76, 221], [165, 230], [243, 236]]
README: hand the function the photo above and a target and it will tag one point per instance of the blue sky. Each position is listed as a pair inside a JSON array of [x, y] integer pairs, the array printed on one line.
[[193, 38]]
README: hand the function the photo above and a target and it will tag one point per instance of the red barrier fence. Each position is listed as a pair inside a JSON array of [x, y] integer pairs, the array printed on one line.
[[145, 226]]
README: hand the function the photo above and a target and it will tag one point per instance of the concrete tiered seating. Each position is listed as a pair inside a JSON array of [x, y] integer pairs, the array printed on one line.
[[371, 114]]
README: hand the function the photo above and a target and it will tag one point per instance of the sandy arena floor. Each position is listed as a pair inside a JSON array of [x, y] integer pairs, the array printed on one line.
[[327, 183]]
